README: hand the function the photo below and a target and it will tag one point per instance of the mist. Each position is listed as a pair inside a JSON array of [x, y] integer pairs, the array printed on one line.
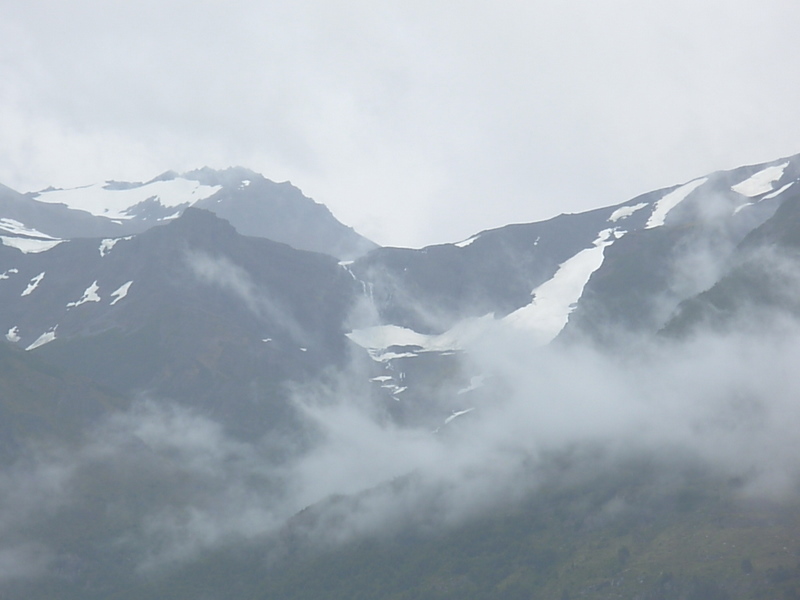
[[167, 483], [236, 281]]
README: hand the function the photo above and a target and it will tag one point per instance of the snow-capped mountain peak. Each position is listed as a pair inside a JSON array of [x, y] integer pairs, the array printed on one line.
[[253, 204], [123, 201]]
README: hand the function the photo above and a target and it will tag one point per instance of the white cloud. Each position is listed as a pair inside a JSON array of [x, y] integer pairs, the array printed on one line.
[[415, 122]]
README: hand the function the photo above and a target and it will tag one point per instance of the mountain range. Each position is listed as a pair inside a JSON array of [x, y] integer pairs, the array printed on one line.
[[210, 387]]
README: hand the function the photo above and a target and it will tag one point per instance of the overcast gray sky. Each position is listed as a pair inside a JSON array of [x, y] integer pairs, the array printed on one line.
[[415, 122]]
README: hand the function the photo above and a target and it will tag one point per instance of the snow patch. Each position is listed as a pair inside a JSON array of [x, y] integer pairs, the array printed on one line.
[[120, 292], [382, 378], [670, 201], [394, 390], [555, 299], [761, 182], [769, 196], [116, 204], [29, 245], [5, 274], [467, 242], [623, 212], [379, 339], [13, 334], [384, 356], [107, 244], [45, 338], [17, 228], [89, 295], [384, 336], [457, 414], [34, 283]]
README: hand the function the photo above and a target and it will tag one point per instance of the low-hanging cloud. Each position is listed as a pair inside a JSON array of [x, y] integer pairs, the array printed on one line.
[[221, 272], [166, 484]]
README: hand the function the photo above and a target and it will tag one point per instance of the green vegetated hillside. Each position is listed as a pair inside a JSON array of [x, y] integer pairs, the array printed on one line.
[[643, 531], [611, 539]]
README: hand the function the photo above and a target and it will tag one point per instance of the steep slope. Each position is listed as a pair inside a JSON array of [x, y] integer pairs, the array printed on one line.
[[646, 275], [20, 215], [39, 402], [431, 289], [192, 311], [602, 274], [258, 207], [760, 281], [625, 266]]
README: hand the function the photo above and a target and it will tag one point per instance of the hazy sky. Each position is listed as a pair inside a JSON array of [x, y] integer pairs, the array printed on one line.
[[415, 122]]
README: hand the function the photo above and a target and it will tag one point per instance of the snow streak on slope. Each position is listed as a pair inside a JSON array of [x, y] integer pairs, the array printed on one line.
[[29, 245], [34, 283], [89, 295], [545, 316], [45, 338], [26, 239], [17, 228], [670, 201], [623, 212], [761, 182], [555, 299], [107, 244], [769, 196], [101, 201], [120, 293], [457, 414], [778, 192], [467, 242], [379, 339]]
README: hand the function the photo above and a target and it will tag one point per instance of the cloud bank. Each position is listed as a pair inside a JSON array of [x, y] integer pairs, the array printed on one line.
[[415, 122], [166, 484]]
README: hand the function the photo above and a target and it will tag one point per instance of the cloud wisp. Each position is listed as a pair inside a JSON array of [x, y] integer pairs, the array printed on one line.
[[219, 271]]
